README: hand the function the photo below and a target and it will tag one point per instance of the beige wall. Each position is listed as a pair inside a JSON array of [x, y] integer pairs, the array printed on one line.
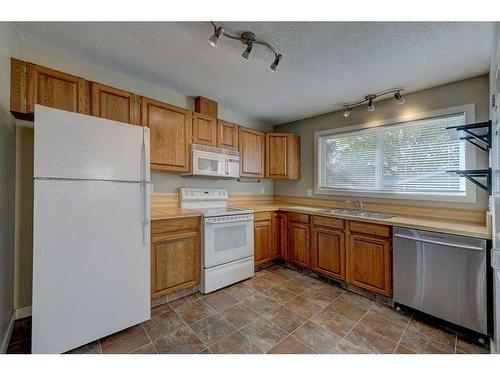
[[7, 186], [162, 182], [474, 90]]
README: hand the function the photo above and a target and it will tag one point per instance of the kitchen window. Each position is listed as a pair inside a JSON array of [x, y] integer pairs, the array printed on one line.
[[405, 160]]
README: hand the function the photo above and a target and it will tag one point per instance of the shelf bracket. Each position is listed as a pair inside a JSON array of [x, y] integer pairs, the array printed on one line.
[[473, 175]]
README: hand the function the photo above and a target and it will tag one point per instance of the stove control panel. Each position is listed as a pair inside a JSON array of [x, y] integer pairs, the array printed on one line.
[[201, 194]]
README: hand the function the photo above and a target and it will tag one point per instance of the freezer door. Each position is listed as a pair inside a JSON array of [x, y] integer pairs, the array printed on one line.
[[91, 265], [74, 146]]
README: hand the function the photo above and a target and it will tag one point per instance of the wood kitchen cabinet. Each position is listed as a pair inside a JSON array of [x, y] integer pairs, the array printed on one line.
[[299, 240], [252, 152], [170, 135], [33, 84], [328, 247], [175, 255], [279, 222], [204, 129], [263, 245], [114, 104], [227, 135], [369, 257], [283, 156]]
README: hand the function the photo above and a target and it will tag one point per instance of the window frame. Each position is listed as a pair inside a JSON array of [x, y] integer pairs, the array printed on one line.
[[470, 189]]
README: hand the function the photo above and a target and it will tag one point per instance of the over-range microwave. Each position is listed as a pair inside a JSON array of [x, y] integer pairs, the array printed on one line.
[[214, 162]]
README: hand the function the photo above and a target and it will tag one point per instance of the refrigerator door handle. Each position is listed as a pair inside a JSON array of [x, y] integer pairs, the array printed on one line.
[[146, 216]]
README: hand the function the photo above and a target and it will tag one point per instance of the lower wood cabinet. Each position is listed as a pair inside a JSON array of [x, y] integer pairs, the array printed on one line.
[[175, 255], [328, 252], [279, 222], [299, 243], [369, 263], [263, 234]]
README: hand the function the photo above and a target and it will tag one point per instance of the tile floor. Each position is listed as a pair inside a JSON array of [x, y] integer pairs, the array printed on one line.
[[277, 311]]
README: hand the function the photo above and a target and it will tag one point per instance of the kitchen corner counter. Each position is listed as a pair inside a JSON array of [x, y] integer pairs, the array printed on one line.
[[160, 213]]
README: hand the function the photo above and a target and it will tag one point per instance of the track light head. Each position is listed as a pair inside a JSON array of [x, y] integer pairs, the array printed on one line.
[[371, 106], [274, 65], [347, 111], [246, 53], [399, 99], [214, 39]]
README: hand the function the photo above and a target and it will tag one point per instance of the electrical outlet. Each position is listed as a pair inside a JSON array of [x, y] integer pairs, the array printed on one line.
[[262, 190], [309, 192]]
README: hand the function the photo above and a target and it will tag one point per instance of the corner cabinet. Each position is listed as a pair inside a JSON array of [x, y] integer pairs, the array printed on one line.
[[263, 245], [252, 152], [170, 135], [114, 104], [280, 224], [283, 156], [299, 240], [175, 255], [369, 257]]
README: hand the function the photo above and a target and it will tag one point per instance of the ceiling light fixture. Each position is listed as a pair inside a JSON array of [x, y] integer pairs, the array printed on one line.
[[371, 97], [214, 39], [399, 99], [246, 53], [247, 38]]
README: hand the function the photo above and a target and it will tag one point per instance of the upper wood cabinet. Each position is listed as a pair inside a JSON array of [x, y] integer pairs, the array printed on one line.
[[251, 146], [114, 104], [33, 84], [283, 156], [175, 255], [227, 135], [369, 263], [263, 245], [170, 135], [206, 106], [204, 129]]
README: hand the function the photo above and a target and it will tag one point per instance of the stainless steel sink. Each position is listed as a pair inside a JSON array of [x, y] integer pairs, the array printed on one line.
[[368, 214]]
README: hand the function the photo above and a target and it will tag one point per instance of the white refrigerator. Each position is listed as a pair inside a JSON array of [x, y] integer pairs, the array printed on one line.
[[91, 255]]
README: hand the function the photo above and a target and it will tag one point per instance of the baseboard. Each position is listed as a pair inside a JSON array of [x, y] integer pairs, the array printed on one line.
[[8, 334], [23, 312]]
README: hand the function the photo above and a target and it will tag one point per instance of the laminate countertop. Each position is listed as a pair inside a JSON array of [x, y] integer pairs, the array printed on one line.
[[441, 226]]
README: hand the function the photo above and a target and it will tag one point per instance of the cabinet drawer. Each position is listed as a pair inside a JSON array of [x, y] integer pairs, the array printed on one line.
[[159, 227], [368, 228], [298, 218], [262, 216], [329, 222]]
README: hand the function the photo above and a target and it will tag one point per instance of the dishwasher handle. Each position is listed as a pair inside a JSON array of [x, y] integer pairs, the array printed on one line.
[[466, 247]]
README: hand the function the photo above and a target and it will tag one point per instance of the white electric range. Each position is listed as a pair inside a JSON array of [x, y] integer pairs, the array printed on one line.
[[227, 237]]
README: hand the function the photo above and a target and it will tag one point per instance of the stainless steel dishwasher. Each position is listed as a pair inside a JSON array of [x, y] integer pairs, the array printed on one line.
[[441, 275]]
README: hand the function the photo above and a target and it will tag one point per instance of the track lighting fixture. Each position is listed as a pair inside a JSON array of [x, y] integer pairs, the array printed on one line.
[[247, 38], [399, 99], [371, 97], [214, 39], [246, 53]]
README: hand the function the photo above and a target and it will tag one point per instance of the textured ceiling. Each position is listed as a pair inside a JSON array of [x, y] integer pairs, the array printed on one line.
[[323, 65]]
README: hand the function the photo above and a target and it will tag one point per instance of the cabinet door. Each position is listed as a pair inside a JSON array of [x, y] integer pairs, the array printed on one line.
[[55, 89], [369, 262], [175, 262], [114, 104], [262, 242], [251, 146], [170, 135], [328, 252], [283, 156], [298, 249], [280, 235], [227, 135], [204, 129]]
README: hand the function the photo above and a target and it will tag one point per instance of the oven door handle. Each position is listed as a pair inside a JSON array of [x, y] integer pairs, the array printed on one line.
[[210, 221]]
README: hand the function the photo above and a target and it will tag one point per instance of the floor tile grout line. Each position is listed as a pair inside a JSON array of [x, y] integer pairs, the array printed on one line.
[[456, 342], [149, 338], [401, 338]]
